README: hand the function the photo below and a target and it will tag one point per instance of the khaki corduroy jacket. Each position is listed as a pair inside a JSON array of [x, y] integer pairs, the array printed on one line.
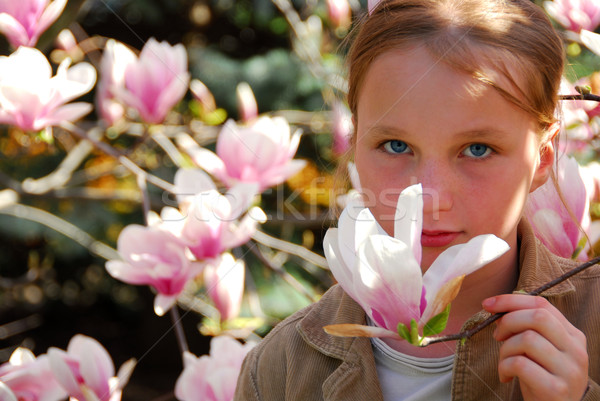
[[298, 361]]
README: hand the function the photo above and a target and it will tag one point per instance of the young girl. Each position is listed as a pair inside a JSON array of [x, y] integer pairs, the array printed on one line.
[[460, 96]]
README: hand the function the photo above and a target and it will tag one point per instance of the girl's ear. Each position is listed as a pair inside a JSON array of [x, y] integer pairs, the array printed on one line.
[[547, 153]]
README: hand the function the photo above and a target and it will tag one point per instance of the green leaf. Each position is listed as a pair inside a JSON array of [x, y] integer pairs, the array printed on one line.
[[437, 324], [414, 332], [403, 331]]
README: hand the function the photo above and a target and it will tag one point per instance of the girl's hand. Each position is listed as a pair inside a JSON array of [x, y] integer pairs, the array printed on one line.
[[540, 347]]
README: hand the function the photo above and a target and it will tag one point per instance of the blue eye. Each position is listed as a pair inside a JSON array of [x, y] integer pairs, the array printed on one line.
[[395, 147], [477, 150]]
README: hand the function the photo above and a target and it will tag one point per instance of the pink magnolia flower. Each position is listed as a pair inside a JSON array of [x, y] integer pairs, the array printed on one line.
[[551, 221], [27, 378], [32, 99], [212, 377], [203, 95], [383, 273], [156, 81], [342, 128], [260, 153], [591, 40], [340, 13], [115, 60], [575, 15], [87, 372], [224, 282], [24, 21], [155, 257], [247, 107], [207, 222]]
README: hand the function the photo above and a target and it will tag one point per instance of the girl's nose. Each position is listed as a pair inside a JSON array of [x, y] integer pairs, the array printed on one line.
[[437, 193]]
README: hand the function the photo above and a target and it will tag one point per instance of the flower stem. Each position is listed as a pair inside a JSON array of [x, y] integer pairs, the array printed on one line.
[[463, 335], [181, 340]]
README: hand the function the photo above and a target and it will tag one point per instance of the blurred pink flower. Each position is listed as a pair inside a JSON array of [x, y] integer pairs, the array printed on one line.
[[246, 102], [591, 40], [208, 222], [551, 221], [115, 60], [156, 81], [32, 99], [26, 378], [590, 173], [155, 257], [224, 282], [203, 95], [212, 377], [575, 15], [342, 128], [383, 273], [340, 13], [23, 21], [260, 153], [87, 372]]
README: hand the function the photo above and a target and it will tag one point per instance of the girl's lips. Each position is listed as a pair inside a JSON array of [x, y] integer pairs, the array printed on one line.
[[436, 239]]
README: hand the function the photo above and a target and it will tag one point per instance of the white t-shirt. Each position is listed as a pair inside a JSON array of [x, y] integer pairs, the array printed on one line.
[[408, 378]]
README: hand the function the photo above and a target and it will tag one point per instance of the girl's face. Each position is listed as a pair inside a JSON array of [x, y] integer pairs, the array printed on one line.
[[476, 154]]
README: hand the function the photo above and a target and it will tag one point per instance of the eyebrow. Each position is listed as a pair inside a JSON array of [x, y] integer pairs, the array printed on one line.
[[385, 132]]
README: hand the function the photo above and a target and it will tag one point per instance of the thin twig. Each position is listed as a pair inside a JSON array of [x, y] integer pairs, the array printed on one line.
[[583, 96], [288, 278], [125, 161], [469, 333], [179, 333], [291, 249], [62, 226]]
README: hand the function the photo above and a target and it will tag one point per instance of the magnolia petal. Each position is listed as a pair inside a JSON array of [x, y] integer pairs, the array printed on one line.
[[359, 330], [283, 172], [408, 221], [95, 364], [548, 227], [340, 270], [461, 259], [240, 197], [443, 297], [53, 10], [89, 393], [13, 30], [352, 213], [6, 393], [191, 181], [162, 303], [125, 372], [591, 40], [63, 374], [210, 162], [70, 112], [354, 177]]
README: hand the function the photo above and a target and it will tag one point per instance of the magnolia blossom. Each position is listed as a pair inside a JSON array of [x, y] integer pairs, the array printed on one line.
[[155, 82], [115, 61], [27, 378], [342, 128], [575, 120], [340, 13], [259, 153], [575, 15], [24, 21], [155, 257], [207, 222], [247, 107], [551, 221], [591, 40], [203, 95], [383, 273], [32, 99], [87, 372], [224, 282], [212, 377]]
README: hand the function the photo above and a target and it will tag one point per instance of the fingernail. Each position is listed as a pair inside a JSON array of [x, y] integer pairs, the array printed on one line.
[[488, 302]]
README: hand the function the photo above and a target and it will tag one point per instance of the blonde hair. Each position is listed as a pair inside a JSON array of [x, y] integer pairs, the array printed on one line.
[[512, 37]]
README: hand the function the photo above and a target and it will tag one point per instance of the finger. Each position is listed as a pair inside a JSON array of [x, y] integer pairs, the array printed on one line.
[[538, 349], [536, 380], [541, 321], [512, 302]]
